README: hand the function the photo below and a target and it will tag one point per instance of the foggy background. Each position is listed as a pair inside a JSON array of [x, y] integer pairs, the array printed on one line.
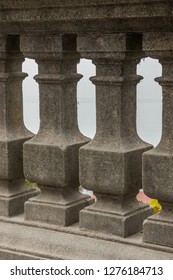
[[149, 100]]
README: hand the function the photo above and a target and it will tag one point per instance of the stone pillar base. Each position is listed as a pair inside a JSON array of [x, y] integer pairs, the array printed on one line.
[[13, 195], [158, 228], [56, 206], [115, 217]]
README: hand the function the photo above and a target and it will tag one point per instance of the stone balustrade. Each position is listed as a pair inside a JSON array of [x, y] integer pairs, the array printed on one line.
[[116, 163]]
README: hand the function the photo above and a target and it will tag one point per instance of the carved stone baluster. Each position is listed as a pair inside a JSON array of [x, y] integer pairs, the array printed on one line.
[[158, 163], [111, 164], [51, 157], [13, 191]]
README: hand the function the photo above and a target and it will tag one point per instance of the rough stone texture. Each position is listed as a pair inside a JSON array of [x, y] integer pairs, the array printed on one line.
[[50, 242], [158, 163], [111, 163], [122, 218], [13, 192], [51, 157], [158, 228], [85, 16], [56, 206]]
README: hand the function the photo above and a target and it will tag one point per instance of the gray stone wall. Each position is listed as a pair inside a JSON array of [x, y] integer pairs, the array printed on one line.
[[115, 35]]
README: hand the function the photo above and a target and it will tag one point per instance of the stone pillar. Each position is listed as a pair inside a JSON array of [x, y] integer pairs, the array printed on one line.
[[13, 192], [51, 157], [158, 163], [111, 164]]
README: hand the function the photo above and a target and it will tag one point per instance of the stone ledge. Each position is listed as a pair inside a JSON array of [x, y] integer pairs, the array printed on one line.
[[54, 242], [85, 16], [18, 4]]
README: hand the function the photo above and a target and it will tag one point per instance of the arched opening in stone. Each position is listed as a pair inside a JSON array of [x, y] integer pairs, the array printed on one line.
[[86, 99], [149, 102], [31, 96], [86, 105], [149, 113]]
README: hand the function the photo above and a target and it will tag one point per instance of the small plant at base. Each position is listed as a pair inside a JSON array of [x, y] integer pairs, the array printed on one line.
[[32, 185]]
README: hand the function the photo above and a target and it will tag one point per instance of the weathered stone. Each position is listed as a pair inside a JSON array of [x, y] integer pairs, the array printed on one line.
[[22, 16], [112, 215], [61, 243], [51, 157], [56, 206], [158, 163], [13, 192], [112, 159], [111, 163], [158, 228], [113, 9]]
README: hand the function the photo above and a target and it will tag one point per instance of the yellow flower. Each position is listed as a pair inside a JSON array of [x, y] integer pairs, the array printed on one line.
[[155, 205]]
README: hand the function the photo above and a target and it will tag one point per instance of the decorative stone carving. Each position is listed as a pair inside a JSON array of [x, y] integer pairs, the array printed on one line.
[[51, 157], [13, 191], [111, 164], [158, 163]]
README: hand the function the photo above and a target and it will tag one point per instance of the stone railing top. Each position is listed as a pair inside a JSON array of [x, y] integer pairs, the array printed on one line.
[[6, 4], [20, 16]]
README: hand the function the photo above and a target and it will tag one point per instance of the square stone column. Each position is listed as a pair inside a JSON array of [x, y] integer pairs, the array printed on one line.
[[13, 191], [158, 163], [111, 164], [51, 157]]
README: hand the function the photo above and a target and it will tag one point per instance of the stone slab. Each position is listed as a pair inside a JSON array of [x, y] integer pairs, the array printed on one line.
[[11, 157], [86, 16], [62, 170], [56, 212], [157, 175], [54, 243], [104, 169], [158, 229], [13, 195], [114, 218]]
